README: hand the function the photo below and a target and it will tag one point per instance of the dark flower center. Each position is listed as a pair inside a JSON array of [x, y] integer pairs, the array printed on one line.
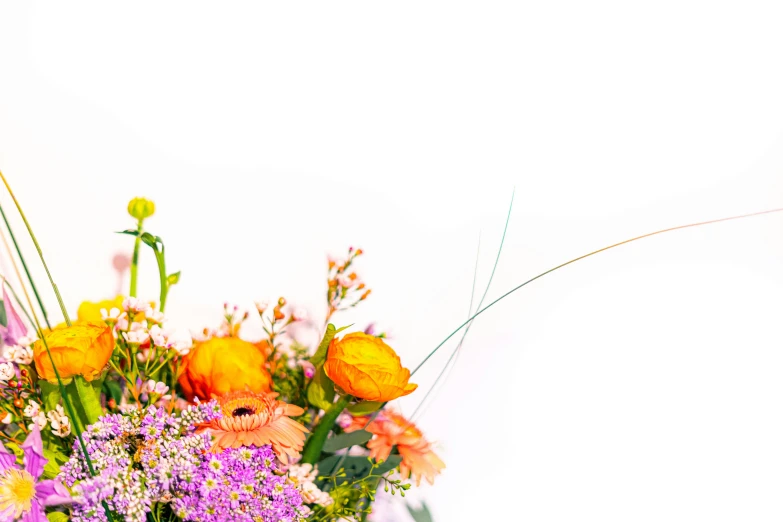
[[239, 412]]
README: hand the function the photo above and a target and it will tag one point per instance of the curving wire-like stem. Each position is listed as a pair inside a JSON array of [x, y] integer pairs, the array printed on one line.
[[66, 400], [562, 265], [558, 267], [26, 270], [38, 248]]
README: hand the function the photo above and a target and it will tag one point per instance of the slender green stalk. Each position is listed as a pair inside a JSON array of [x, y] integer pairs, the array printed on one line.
[[455, 354], [134, 268], [160, 257], [315, 444], [68, 404], [558, 267], [26, 270], [38, 248]]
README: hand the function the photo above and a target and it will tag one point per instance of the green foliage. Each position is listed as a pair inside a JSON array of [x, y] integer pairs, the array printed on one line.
[[354, 467], [56, 516], [421, 514], [50, 393], [3, 315], [320, 354], [320, 393], [365, 407], [346, 440]]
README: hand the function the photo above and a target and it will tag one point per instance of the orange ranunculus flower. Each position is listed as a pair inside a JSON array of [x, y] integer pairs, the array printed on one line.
[[81, 349], [89, 311], [364, 366], [221, 365]]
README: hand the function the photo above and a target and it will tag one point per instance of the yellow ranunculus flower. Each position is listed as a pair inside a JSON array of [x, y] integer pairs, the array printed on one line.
[[221, 365], [364, 366], [81, 349], [89, 311]]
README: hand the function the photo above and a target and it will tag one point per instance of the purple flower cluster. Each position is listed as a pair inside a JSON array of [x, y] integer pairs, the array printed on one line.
[[140, 458], [148, 457], [244, 485]]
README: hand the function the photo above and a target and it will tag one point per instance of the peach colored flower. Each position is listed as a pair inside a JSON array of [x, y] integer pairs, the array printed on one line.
[[257, 419], [392, 429]]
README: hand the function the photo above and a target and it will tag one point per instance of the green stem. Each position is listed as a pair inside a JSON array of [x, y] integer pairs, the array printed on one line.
[[68, 404], [26, 270], [160, 257], [314, 446], [134, 269]]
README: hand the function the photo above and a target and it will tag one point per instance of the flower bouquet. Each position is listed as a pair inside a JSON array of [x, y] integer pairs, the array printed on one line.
[[110, 417]]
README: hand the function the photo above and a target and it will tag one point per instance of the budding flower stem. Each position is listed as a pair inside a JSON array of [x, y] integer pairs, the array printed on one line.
[[134, 268], [315, 444]]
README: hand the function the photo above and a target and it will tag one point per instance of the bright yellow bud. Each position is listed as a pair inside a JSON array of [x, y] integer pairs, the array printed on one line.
[[81, 349], [364, 366], [141, 208]]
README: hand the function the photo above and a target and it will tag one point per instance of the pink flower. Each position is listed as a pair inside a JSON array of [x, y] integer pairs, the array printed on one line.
[[16, 328], [22, 496], [309, 369]]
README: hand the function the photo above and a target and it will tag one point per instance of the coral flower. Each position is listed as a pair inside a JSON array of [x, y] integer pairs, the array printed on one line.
[[81, 349], [392, 429], [364, 366], [251, 419], [222, 365]]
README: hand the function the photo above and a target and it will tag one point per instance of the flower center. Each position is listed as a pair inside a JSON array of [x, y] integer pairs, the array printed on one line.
[[17, 490], [239, 412]]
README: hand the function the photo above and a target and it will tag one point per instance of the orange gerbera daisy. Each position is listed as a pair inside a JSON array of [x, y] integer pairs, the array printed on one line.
[[392, 429], [257, 419]]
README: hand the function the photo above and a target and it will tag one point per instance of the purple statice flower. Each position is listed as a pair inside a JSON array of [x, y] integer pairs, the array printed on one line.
[[140, 458], [22, 496], [242, 485]]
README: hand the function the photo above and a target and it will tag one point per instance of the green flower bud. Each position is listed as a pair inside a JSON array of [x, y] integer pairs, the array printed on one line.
[[141, 208]]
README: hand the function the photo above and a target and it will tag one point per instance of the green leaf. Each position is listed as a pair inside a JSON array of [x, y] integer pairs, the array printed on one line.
[[365, 407], [420, 515], [323, 348], [173, 279], [56, 516], [51, 394], [87, 398], [52, 468], [3, 316], [320, 393], [112, 390], [151, 240], [355, 466], [130, 232], [346, 440]]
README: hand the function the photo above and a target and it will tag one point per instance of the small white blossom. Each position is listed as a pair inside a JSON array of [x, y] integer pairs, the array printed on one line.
[[61, 424], [155, 316], [39, 419], [112, 316], [7, 419], [7, 371], [136, 336], [32, 409], [135, 305], [25, 341], [181, 346], [18, 354], [155, 387], [158, 336]]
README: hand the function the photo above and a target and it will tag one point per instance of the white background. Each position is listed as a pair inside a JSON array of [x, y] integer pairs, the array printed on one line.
[[641, 384]]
